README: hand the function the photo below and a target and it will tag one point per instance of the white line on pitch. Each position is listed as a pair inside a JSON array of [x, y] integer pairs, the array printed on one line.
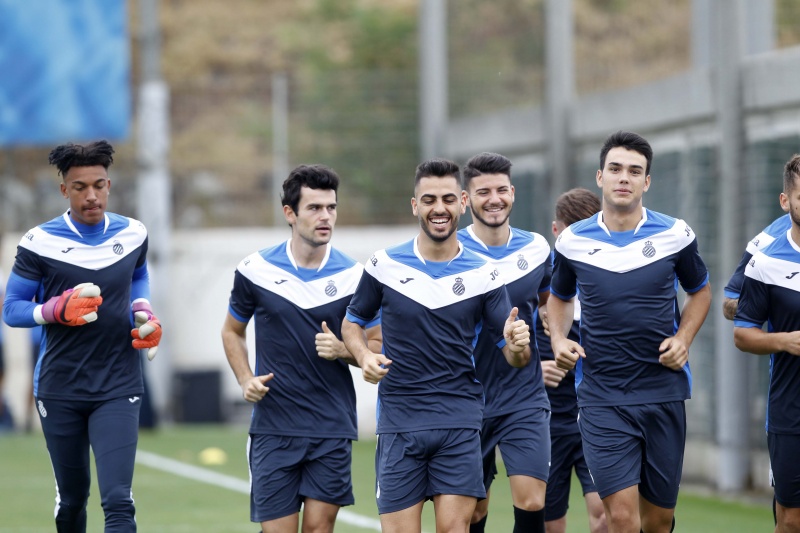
[[232, 483]]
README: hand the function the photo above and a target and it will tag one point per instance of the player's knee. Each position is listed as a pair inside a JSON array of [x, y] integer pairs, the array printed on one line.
[[69, 517], [118, 502], [622, 519], [789, 520], [531, 502], [478, 514], [597, 522]]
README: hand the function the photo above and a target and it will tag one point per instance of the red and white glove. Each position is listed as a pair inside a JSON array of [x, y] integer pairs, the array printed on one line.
[[147, 333], [74, 307]]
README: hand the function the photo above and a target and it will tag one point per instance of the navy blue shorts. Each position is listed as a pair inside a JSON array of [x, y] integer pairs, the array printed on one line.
[[286, 470], [784, 468], [636, 445], [411, 467], [524, 441], [566, 452]]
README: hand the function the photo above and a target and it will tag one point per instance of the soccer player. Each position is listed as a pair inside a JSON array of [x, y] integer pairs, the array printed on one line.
[[517, 413], [633, 377], [771, 293], [88, 378], [778, 228], [566, 449], [304, 418], [434, 297]]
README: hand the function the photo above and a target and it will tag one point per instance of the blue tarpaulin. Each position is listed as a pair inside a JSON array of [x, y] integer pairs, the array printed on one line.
[[64, 71]]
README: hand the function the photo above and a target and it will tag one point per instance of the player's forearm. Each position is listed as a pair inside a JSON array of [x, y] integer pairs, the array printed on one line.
[[18, 309], [517, 359], [355, 340], [236, 352], [559, 317], [759, 342], [694, 313]]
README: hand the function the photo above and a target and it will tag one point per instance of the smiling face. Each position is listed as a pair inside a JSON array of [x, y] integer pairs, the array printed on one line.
[[491, 198], [315, 218], [623, 180], [87, 190], [438, 203]]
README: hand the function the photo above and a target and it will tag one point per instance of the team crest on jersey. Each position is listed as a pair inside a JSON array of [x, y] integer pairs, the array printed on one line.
[[330, 289], [458, 287], [118, 249], [648, 250], [522, 264], [42, 410]]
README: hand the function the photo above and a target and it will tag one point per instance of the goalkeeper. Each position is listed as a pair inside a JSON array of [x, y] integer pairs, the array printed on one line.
[[83, 275]]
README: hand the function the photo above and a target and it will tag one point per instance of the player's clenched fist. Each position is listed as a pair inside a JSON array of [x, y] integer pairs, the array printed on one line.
[[74, 307], [328, 346], [516, 332], [374, 367], [254, 388], [147, 333]]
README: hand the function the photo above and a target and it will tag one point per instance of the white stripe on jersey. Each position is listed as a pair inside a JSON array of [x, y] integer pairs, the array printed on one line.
[[774, 271], [532, 254], [93, 257], [759, 242], [621, 259], [304, 294], [433, 293]]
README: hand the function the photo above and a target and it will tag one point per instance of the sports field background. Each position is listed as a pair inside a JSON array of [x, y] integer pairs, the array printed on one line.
[[169, 502]]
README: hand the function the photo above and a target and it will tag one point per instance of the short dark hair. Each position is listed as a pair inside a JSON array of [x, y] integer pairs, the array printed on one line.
[[485, 163], [576, 204], [311, 176], [629, 141], [66, 156], [791, 172], [437, 168]]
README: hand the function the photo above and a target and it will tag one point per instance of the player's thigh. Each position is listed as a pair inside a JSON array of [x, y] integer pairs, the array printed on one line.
[[612, 447], [318, 516], [326, 474], [401, 471], [408, 520], [563, 453], [453, 512], [525, 444], [275, 473], [65, 428], [455, 464], [785, 468], [663, 426], [114, 433]]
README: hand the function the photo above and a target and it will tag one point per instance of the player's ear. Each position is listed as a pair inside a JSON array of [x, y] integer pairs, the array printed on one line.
[[463, 201], [599, 178], [414, 206], [64, 190]]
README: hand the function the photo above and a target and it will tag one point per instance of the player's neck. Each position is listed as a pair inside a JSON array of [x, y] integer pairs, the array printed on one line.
[[795, 233], [437, 251], [307, 255], [492, 236], [622, 218]]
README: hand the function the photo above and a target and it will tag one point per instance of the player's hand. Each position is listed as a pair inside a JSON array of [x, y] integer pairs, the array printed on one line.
[[147, 333], [791, 342], [674, 353], [375, 367], [75, 307], [255, 388], [328, 346], [516, 332], [567, 353], [552, 374], [545, 323]]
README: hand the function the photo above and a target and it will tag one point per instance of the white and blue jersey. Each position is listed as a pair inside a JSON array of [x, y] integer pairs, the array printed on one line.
[[778, 228], [95, 361], [627, 287], [309, 396], [524, 264], [771, 294], [431, 316]]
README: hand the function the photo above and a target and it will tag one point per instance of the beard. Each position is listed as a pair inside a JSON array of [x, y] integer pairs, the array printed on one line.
[[439, 237], [485, 222]]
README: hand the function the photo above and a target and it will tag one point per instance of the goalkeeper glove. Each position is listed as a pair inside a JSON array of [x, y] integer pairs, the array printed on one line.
[[75, 307], [148, 329]]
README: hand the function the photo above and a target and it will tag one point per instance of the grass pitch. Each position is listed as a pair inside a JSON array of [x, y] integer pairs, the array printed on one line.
[[169, 502]]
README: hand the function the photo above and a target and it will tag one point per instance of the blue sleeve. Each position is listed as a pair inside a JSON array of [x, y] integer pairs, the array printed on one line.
[[18, 305], [365, 305], [734, 286], [140, 284], [753, 309], [496, 307], [563, 283], [690, 268]]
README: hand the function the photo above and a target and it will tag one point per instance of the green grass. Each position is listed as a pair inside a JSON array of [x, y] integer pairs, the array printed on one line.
[[166, 503]]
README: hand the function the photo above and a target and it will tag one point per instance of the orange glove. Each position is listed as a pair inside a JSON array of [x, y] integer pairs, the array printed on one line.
[[75, 307], [147, 333]]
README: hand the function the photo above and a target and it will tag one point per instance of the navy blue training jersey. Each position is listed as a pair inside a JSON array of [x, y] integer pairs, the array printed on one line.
[[627, 287], [309, 396], [778, 228], [431, 315], [524, 264], [771, 294], [95, 361]]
